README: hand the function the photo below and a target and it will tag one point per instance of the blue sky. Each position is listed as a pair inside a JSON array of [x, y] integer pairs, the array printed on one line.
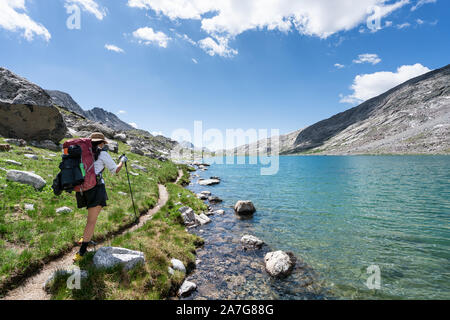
[[258, 64]]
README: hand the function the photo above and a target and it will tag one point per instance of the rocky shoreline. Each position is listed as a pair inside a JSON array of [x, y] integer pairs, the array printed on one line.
[[235, 264]]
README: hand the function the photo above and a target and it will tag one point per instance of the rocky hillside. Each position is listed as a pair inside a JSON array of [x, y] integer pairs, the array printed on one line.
[[109, 119], [412, 118]]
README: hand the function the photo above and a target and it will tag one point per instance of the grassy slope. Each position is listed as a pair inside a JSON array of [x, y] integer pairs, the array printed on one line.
[[162, 238], [27, 239]]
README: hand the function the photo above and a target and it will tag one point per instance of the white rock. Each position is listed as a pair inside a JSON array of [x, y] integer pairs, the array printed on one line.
[[171, 271], [220, 212], [208, 182], [188, 215], [108, 257], [26, 178], [122, 193], [202, 196], [202, 219], [31, 156], [29, 207], [206, 193], [251, 241], [14, 163], [186, 288], [279, 263], [63, 210], [178, 265], [138, 167]]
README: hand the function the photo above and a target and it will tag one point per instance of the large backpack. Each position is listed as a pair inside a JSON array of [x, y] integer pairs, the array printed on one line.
[[77, 168]]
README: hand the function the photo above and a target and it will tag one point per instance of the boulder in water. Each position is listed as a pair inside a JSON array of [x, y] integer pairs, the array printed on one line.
[[244, 207], [279, 263]]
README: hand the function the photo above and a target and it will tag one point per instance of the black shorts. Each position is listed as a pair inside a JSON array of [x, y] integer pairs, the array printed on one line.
[[92, 198]]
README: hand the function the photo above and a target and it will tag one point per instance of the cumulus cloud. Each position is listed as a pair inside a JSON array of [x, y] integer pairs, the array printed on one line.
[[89, 6], [368, 58], [13, 17], [226, 19], [421, 3], [147, 36], [111, 47], [367, 86], [219, 47], [134, 125]]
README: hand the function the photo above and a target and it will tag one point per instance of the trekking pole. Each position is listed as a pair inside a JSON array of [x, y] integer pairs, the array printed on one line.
[[131, 192]]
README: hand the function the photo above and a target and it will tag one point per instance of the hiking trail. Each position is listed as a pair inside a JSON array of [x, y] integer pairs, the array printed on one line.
[[32, 288]]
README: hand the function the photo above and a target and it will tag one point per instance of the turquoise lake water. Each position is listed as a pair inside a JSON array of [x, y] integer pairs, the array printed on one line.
[[344, 214]]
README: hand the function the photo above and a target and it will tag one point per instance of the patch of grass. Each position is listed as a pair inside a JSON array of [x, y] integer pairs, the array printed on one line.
[[161, 239], [32, 237]]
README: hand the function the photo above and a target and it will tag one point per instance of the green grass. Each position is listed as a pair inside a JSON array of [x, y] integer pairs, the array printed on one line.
[[27, 239], [161, 239]]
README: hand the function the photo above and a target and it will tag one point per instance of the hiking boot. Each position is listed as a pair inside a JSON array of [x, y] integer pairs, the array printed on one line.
[[78, 257]]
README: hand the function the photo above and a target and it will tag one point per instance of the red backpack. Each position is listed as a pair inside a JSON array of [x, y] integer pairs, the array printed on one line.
[[87, 158]]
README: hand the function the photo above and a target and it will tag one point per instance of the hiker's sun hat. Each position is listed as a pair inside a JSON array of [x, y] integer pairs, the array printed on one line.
[[98, 137]]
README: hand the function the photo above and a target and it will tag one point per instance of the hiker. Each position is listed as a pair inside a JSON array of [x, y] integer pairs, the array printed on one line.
[[95, 199]]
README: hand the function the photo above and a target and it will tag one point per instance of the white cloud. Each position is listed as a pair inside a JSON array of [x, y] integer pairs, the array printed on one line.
[[339, 66], [219, 47], [148, 36], [421, 3], [111, 47], [403, 25], [420, 21], [226, 19], [367, 86], [121, 112], [14, 18], [194, 61], [368, 58], [90, 6], [134, 125]]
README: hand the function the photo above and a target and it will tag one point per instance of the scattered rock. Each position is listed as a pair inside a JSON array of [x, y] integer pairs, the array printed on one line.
[[202, 196], [279, 263], [26, 178], [220, 212], [215, 178], [208, 182], [29, 207], [134, 174], [186, 288], [113, 146], [188, 215], [178, 265], [202, 219], [214, 199], [206, 193], [108, 257], [251, 241], [138, 167], [121, 137], [244, 208], [16, 142], [46, 144], [64, 210], [31, 156], [171, 271], [137, 151], [122, 193], [14, 163]]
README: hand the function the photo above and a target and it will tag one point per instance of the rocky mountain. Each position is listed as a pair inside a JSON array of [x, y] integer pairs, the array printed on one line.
[[411, 118], [109, 119]]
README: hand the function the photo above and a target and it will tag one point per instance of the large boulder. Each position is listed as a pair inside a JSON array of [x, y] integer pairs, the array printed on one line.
[[178, 265], [113, 146], [188, 215], [122, 137], [244, 207], [279, 263], [202, 219], [108, 257], [89, 126], [26, 178], [31, 122]]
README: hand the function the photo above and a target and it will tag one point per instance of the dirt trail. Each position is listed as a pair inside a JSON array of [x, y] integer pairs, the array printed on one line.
[[32, 288]]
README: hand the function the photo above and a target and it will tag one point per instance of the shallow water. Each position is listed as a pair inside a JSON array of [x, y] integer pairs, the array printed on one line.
[[339, 215]]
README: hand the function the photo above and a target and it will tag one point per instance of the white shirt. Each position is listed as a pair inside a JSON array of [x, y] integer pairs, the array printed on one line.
[[105, 161]]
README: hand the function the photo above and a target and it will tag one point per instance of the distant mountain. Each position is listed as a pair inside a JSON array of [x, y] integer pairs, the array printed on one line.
[[411, 118], [97, 114]]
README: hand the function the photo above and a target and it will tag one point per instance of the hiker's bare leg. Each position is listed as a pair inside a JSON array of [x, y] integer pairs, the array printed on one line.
[[91, 221]]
